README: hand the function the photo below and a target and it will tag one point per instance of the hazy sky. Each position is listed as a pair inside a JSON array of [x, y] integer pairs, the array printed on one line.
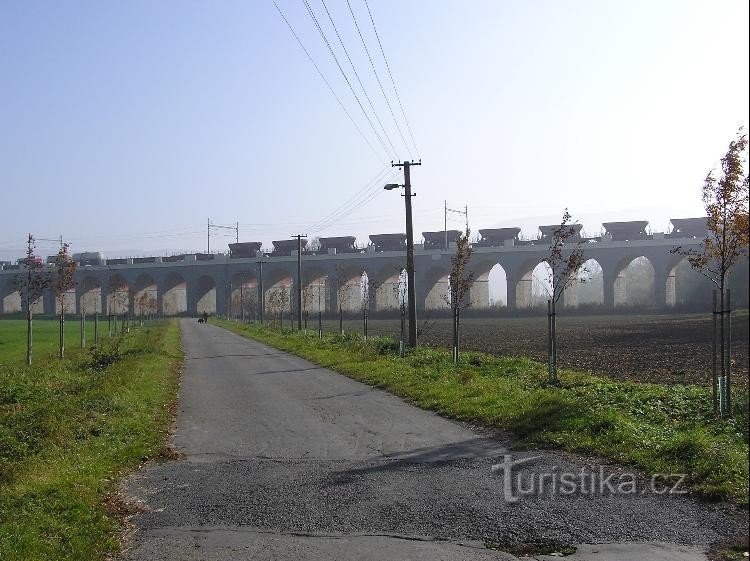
[[125, 125]]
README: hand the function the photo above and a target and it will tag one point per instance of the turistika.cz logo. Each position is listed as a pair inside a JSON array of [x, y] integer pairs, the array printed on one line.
[[553, 482]]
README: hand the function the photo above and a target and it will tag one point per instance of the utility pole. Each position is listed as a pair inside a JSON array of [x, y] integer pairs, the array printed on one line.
[[235, 227], [445, 222], [465, 212], [262, 295], [299, 279], [410, 250]]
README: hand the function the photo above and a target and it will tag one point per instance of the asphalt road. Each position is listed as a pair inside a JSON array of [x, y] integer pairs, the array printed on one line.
[[286, 460]]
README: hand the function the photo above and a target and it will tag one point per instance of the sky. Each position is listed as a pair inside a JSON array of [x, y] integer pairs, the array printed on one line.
[[125, 126]]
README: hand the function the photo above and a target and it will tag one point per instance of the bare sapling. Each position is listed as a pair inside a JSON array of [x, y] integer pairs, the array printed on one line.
[[565, 260], [460, 282], [726, 202], [65, 269]]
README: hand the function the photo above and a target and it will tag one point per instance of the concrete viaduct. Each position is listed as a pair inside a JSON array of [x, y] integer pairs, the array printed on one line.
[[332, 274]]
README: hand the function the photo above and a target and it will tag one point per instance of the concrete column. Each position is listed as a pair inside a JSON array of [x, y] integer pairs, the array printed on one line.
[[191, 298], [222, 293], [49, 301], [519, 291], [609, 278], [510, 286], [479, 295]]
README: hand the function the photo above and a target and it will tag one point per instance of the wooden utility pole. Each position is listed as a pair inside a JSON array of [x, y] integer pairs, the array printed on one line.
[[262, 294], [412, 296], [299, 279]]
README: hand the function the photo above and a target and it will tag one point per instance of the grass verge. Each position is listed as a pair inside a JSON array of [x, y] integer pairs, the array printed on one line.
[[656, 428], [69, 430]]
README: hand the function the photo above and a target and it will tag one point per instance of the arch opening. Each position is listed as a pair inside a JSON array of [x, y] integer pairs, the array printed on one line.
[[173, 295], [243, 295], [205, 295], [11, 299], [588, 287], [145, 296], [118, 299], [635, 284], [497, 284], [91, 297]]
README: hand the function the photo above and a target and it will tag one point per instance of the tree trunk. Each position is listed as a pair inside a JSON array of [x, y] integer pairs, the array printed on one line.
[[365, 326], [320, 324], [29, 339], [62, 332], [550, 345], [401, 347], [341, 320], [554, 343]]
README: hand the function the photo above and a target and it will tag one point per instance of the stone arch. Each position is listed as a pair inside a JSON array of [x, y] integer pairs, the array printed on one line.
[[173, 295], [436, 288], [345, 288], [588, 288], [314, 290], [497, 285], [118, 294], [90, 296], [243, 294], [10, 298], [205, 295], [686, 286], [635, 282], [145, 295], [392, 288], [278, 285], [529, 289]]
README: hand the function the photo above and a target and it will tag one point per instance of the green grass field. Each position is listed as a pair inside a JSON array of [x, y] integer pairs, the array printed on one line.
[[70, 429], [45, 337], [660, 429]]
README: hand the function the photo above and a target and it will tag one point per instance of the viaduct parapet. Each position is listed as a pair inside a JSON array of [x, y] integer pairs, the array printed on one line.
[[333, 273]]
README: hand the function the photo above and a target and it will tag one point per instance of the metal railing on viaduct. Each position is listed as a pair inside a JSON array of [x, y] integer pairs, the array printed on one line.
[[333, 273]]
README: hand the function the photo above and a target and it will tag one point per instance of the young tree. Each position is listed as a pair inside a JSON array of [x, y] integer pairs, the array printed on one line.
[[64, 281], [565, 260], [459, 283], [726, 202], [31, 284]]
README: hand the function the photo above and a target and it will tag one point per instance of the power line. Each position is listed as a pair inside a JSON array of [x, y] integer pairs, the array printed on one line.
[[377, 77], [395, 89], [351, 199], [394, 154], [322, 76], [311, 13], [374, 192]]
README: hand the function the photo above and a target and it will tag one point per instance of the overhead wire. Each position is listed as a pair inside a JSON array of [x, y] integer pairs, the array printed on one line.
[[366, 199], [377, 77], [394, 153], [395, 89], [327, 83], [354, 198], [323, 35]]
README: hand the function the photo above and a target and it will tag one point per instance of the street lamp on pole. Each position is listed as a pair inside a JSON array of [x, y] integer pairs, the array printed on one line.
[[412, 294]]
